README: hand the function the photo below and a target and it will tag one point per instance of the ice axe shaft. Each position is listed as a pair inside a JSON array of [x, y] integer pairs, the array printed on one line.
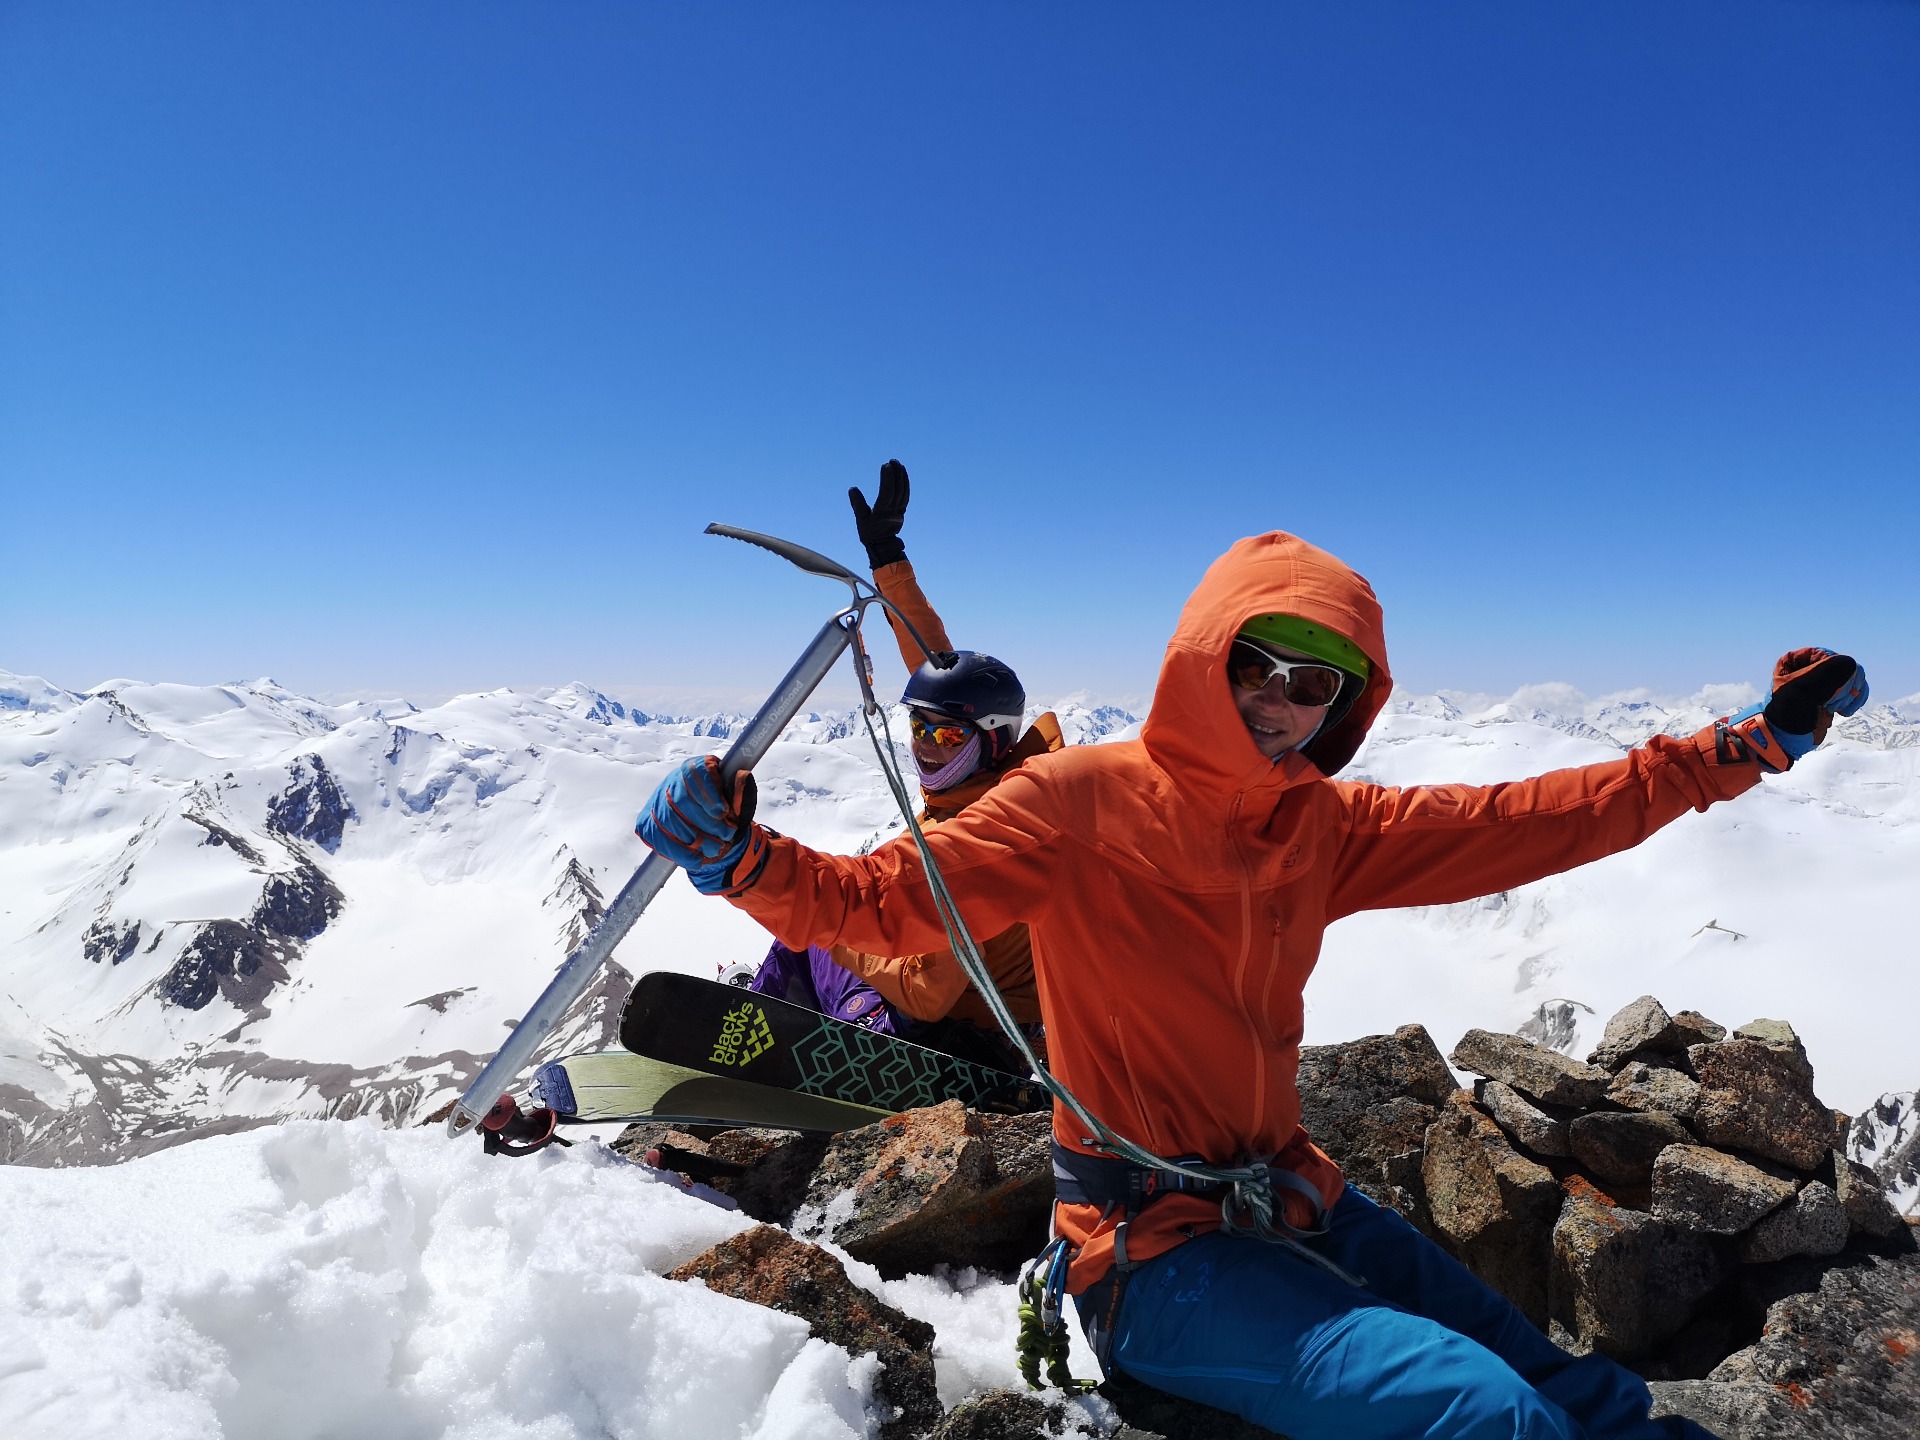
[[577, 973]]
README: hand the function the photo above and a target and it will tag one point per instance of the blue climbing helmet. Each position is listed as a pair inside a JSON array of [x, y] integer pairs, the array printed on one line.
[[975, 688]]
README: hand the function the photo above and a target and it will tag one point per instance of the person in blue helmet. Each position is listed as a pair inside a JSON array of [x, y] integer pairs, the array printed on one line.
[[965, 710]]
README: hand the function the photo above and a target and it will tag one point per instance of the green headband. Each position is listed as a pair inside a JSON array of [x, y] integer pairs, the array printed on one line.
[[1290, 632]]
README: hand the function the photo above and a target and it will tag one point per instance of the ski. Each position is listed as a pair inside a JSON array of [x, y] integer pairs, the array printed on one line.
[[725, 1031], [617, 1085]]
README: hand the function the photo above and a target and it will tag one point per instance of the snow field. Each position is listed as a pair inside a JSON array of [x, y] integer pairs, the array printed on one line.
[[330, 1279]]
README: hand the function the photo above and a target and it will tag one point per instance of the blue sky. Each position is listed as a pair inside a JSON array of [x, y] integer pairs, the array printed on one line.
[[409, 348]]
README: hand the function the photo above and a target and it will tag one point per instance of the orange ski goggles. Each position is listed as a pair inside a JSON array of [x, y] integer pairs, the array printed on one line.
[[947, 734]]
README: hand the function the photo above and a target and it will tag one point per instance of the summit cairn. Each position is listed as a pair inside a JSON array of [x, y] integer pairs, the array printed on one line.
[[1694, 1180]]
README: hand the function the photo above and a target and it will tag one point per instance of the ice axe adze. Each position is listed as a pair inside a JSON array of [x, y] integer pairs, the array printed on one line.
[[841, 631]]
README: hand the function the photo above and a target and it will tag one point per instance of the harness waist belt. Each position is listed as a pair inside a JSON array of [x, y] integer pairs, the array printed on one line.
[[1102, 1180]]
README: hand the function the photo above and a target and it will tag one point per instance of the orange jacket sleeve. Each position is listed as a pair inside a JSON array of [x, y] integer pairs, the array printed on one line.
[[1435, 844], [924, 986], [897, 583], [997, 857], [933, 986]]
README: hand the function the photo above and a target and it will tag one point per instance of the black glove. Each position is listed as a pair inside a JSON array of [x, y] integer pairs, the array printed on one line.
[[1810, 687], [879, 524]]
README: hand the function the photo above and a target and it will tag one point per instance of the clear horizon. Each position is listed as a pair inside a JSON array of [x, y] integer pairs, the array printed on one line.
[[410, 349]]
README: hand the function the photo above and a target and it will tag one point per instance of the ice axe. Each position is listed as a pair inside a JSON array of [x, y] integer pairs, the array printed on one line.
[[570, 982]]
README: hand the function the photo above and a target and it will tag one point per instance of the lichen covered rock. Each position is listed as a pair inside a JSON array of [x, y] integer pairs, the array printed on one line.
[[943, 1185], [767, 1266], [1492, 1207], [1758, 1096], [1621, 1148], [1646, 1087], [1624, 1281], [1814, 1224], [1864, 1199], [1840, 1362], [1699, 1188], [1644, 1025], [1368, 1103], [1537, 1129], [1534, 1070]]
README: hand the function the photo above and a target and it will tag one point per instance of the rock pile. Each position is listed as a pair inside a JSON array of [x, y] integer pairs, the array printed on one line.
[[1662, 1202], [1633, 1203]]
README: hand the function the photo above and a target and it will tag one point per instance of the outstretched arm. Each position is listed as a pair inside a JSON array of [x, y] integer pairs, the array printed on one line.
[[879, 526], [1435, 844], [997, 857]]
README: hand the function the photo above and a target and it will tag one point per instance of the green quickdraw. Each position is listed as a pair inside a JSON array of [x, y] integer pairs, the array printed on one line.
[[1043, 1330]]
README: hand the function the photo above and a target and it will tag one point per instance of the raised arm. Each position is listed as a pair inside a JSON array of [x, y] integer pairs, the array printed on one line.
[[879, 526]]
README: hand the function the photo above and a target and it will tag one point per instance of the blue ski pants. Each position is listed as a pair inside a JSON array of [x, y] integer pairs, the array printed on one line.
[[1424, 1350]]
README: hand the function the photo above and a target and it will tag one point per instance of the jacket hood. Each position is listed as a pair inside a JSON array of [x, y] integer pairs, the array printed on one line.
[[1194, 731]]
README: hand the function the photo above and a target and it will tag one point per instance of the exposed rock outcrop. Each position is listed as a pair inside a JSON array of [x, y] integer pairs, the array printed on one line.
[[1642, 1026], [1534, 1070], [1838, 1362], [1621, 1148], [1538, 1129], [312, 806], [1695, 1180], [242, 960], [1624, 1281], [769, 1267], [1368, 1103], [1615, 1224], [1491, 1206], [1003, 1415], [1641, 1086], [1757, 1095], [942, 1185], [1701, 1189]]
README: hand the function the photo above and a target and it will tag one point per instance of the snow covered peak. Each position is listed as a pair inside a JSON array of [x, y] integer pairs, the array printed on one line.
[[31, 694], [586, 703]]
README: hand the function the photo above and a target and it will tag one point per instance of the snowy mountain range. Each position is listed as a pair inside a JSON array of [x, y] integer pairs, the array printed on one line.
[[223, 905]]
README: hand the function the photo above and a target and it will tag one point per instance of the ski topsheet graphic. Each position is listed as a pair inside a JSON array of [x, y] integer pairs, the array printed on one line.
[[617, 1085], [723, 1030]]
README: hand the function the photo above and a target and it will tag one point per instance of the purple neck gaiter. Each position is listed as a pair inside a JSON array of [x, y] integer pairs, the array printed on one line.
[[965, 761]]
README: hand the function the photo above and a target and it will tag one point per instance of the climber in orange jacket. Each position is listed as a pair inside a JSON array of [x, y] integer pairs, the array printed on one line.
[[968, 735], [1176, 889]]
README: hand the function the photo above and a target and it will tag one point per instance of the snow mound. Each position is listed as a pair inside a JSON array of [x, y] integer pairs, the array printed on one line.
[[334, 1278]]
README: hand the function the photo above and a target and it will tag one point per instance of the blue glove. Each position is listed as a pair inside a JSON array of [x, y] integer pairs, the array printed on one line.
[[707, 832], [1810, 687]]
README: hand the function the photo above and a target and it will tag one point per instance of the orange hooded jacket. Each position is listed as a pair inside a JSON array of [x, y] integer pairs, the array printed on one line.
[[1177, 886], [932, 986]]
